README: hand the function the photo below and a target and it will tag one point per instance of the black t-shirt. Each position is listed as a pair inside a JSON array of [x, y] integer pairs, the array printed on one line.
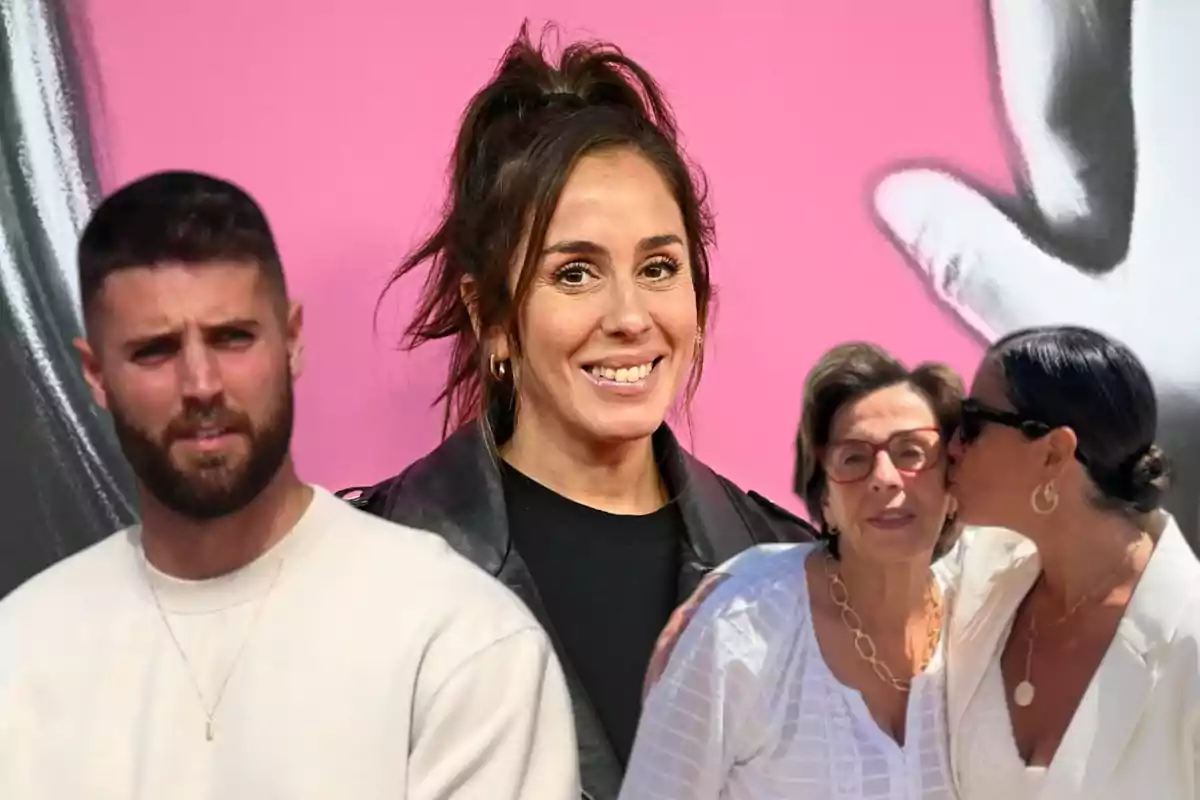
[[608, 582]]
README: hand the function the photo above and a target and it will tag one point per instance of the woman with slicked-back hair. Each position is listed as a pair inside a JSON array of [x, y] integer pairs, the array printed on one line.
[[571, 275]]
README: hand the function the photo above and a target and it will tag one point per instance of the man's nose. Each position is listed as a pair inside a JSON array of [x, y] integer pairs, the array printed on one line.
[[199, 373]]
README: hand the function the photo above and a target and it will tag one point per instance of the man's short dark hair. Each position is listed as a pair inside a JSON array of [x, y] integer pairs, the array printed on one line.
[[177, 217]]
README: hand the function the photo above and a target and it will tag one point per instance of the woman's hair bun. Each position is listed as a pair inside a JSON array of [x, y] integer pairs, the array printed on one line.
[[1146, 478]]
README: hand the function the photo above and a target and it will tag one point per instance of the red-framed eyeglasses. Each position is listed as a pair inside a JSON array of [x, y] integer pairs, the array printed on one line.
[[910, 451]]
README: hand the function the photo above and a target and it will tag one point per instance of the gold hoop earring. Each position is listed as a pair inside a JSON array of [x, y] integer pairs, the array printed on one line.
[[1048, 501], [498, 367]]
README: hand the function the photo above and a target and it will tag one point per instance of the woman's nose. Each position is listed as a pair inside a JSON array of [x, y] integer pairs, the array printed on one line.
[[627, 315], [885, 475]]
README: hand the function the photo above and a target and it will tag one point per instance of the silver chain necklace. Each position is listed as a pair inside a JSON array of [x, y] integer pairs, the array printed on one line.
[[210, 713]]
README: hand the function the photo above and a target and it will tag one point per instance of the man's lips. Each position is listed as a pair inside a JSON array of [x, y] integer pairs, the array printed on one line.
[[208, 438]]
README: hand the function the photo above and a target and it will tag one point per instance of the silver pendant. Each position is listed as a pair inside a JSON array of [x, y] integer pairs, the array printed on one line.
[[208, 731], [1023, 694]]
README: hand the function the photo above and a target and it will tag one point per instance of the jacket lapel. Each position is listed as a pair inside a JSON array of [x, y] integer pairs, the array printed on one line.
[[1112, 706], [998, 569], [1102, 724], [715, 531]]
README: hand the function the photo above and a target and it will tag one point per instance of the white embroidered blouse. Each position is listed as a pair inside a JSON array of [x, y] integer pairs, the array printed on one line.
[[747, 709]]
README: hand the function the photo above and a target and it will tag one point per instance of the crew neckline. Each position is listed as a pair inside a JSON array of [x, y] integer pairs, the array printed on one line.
[[183, 596], [528, 486]]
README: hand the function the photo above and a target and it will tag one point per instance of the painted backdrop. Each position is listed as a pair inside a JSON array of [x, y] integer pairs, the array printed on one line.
[[926, 175]]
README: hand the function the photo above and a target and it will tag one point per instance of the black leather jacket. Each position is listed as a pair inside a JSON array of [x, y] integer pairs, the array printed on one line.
[[456, 491]]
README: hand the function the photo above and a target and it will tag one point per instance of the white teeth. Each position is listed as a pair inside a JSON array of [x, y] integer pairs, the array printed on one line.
[[623, 374]]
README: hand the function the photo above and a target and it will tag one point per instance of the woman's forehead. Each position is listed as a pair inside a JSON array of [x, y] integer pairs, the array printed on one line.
[[882, 412]]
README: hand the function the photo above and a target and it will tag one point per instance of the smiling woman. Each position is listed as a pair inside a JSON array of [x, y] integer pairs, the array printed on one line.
[[829, 658], [571, 274], [611, 322]]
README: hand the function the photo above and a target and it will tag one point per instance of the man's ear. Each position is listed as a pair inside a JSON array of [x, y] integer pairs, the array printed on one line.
[[293, 331], [90, 365]]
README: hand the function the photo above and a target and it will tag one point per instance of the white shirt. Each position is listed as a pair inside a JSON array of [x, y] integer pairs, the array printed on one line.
[[376, 664], [747, 708], [990, 766], [1136, 731]]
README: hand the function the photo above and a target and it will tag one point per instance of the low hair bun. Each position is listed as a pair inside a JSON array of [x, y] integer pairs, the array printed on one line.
[[1147, 479]]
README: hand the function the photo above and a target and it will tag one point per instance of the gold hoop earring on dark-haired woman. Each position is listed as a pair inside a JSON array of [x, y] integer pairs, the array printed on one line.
[[498, 367], [1044, 498]]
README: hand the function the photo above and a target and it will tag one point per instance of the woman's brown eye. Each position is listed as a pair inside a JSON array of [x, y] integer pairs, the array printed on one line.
[[660, 270], [573, 276]]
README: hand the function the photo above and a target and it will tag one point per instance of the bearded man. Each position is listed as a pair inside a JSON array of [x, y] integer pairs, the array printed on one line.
[[253, 636]]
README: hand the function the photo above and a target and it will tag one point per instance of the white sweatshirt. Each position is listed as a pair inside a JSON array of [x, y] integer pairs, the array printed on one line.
[[374, 663]]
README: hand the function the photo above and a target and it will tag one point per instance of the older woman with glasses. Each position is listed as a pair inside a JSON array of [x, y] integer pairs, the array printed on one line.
[[818, 672], [1074, 638]]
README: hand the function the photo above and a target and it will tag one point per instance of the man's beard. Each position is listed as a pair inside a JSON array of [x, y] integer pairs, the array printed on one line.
[[212, 486]]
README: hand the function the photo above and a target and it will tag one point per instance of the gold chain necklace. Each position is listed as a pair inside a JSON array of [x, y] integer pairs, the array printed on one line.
[[864, 645], [1024, 692], [210, 713]]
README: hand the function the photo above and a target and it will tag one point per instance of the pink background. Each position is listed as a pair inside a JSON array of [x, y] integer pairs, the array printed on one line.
[[339, 118]]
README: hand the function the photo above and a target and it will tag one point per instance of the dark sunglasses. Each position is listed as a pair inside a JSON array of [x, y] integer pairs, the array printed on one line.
[[976, 415]]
